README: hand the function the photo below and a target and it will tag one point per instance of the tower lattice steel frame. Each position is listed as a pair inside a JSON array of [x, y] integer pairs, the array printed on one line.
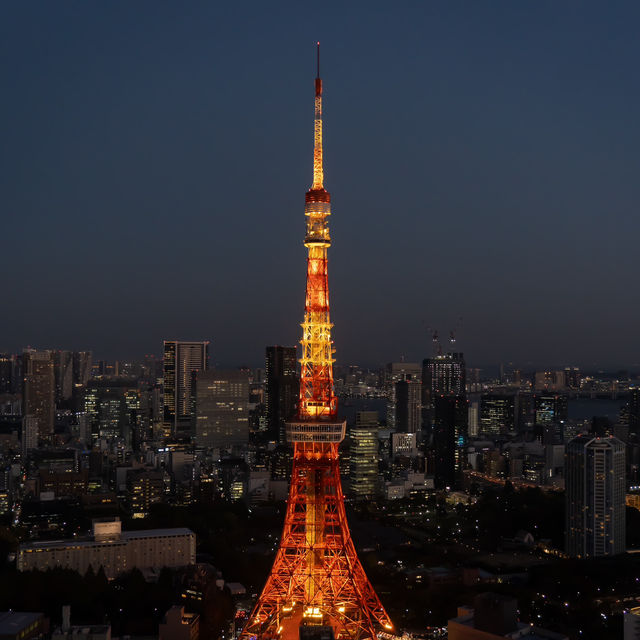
[[316, 578]]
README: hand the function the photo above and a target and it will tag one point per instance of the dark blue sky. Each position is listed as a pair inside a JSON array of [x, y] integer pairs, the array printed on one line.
[[482, 159]]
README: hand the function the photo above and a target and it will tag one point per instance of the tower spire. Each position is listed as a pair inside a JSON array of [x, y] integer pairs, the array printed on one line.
[[318, 171]]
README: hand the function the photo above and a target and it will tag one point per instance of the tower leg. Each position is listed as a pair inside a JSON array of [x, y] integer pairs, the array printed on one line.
[[317, 578]]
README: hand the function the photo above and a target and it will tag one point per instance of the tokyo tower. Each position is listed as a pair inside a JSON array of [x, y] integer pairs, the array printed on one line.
[[316, 578]]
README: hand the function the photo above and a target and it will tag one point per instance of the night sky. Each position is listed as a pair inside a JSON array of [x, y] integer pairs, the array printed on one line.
[[482, 159]]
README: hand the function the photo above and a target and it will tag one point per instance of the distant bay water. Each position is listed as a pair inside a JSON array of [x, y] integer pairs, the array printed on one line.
[[579, 408], [587, 408]]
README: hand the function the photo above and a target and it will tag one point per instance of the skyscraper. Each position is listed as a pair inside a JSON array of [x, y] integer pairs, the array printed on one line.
[[443, 375], [63, 363], [222, 408], [497, 414], [395, 372], [29, 433], [408, 403], [550, 381], [572, 378], [281, 397], [182, 360], [447, 454], [82, 363], [445, 416], [595, 496], [551, 408], [39, 391], [112, 408], [634, 410], [363, 465], [6, 373], [72, 372]]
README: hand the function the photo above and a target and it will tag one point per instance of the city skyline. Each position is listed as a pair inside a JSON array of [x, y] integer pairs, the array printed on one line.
[[500, 142], [483, 161]]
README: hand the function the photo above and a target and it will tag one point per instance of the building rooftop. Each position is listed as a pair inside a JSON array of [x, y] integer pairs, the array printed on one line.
[[83, 630], [157, 533], [535, 633], [528, 632], [125, 537], [12, 622]]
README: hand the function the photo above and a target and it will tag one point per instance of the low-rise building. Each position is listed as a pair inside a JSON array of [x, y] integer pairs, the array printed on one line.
[[67, 631], [64, 484], [115, 550], [23, 625], [178, 625], [632, 624], [494, 617]]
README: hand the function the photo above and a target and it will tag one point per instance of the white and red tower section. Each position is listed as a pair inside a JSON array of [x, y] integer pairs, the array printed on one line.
[[316, 578]]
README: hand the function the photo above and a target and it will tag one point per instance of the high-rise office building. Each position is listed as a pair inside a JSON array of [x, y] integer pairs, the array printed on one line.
[[572, 378], [363, 464], [112, 409], [82, 364], [17, 374], [408, 395], [39, 390], [634, 410], [29, 433], [145, 487], [282, 389], [11, 378], [550, 381], [497, 414], [450, 432], [551, 408], [72, 372], [6, 373], [404, 445], [474, 415], [595, 496], [182, 360], [222, 408], [445, 416], [525, 411], [396, 372], [63, 367], [444, 375]]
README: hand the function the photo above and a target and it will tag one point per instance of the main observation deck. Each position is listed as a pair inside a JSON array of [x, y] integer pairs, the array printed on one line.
[[316, 431]]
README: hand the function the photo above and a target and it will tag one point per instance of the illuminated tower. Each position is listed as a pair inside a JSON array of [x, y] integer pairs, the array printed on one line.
[[316, 579]]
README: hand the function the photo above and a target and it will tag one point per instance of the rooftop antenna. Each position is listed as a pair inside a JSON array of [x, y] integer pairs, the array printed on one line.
[[437, 347], [454, 332], [318, 80]]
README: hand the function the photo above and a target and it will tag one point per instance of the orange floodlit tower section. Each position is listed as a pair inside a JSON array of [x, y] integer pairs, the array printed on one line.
[[316, 578]]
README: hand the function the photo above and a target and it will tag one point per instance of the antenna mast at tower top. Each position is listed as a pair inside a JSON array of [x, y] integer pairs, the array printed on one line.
[[318, 169], [318, 79]]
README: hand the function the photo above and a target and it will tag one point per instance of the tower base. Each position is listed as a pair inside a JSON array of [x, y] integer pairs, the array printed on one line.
[[317, 579]]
